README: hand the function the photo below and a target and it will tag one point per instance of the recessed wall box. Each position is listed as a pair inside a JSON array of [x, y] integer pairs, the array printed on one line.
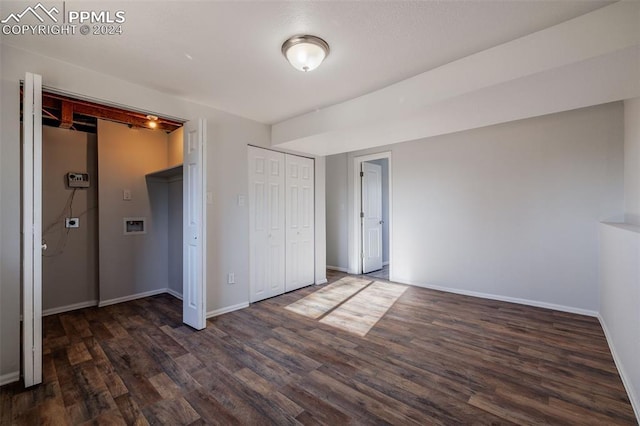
[[78, 180], [135, 225]]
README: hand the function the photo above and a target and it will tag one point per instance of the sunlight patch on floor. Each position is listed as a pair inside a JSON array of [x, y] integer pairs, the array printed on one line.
[[360, 313], [327, 298], [350, 304]]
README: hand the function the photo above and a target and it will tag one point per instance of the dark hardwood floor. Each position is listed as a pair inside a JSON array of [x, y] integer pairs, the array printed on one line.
[[434, 358]]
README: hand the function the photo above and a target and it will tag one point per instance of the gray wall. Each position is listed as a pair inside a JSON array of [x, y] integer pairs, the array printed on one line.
[[384, 163], [620, 301], [174, 150], [336, 211], [510, 210], [174, 188], [70, 264], [632, 160], [131, 264], [620, 266]]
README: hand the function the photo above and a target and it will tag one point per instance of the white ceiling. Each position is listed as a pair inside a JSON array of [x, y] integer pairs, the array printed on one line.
[[227, 54]]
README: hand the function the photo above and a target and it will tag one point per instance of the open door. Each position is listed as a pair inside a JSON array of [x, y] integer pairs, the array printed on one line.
[[371, 217], [194, 235], [32, 245]]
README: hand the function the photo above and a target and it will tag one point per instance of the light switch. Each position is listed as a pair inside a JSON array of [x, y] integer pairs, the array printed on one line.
[[241, 200], [209, 197], [126, 194]]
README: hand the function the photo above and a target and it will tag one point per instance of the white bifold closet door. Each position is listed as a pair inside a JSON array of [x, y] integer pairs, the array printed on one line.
[[281, 223], [300, 253], [266, 223]]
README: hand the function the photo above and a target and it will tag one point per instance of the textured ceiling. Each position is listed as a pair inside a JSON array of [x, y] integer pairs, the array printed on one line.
[[227, 54]]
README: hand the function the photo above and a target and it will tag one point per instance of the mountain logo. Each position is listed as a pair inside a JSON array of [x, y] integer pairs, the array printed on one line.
[[39, 11]]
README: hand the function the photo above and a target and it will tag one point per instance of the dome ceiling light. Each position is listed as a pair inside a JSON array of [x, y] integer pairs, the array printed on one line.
[[305, 52]]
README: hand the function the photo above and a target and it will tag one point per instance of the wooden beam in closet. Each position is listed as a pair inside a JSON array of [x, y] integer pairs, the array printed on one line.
[[70, 112]]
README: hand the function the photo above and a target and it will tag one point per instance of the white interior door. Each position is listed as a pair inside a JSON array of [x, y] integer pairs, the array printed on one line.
[[371, 217], [300, 249], [32, 245], [194, 272], [266, 223]]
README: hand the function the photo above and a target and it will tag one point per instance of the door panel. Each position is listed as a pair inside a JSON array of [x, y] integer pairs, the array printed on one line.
[[32, 244], [300, 235], [372, 217], [266, 223], [194, 287]]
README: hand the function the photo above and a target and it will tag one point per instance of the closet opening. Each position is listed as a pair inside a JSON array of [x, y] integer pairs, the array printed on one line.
[[132, 210], [103, 168]]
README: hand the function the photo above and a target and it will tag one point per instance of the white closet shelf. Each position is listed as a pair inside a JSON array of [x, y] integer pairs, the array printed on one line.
[[167, 173]]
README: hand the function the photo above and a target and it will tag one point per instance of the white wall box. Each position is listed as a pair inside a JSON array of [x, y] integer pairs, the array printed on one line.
[[135, 225], [281, 223]]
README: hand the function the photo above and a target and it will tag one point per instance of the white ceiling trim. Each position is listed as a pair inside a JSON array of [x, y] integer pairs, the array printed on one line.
[[579, 50]]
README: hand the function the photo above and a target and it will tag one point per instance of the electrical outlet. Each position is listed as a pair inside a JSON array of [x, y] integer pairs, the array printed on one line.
[[231, 278], [126, 194], [72, 222]]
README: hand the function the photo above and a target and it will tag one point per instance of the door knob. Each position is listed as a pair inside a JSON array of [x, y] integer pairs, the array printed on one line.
[[381, 222], [44, 245]]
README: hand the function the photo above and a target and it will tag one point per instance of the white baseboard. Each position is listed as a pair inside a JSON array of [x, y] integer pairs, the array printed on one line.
[[108, 302], [322, 281], [385, 263], [536, 303], [5, 379], [227, 309], [337, 268], [174, 293], [68, 308], [635, 402]]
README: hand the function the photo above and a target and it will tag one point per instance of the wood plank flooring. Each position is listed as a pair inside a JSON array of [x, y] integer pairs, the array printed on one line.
[[382, 274], [433, 359]]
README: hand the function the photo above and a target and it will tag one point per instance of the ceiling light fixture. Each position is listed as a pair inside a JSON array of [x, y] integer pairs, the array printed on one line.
[[153, 121], [305, 52]]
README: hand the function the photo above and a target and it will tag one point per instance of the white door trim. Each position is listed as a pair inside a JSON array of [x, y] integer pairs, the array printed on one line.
[[32, 230], [355, 234]]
